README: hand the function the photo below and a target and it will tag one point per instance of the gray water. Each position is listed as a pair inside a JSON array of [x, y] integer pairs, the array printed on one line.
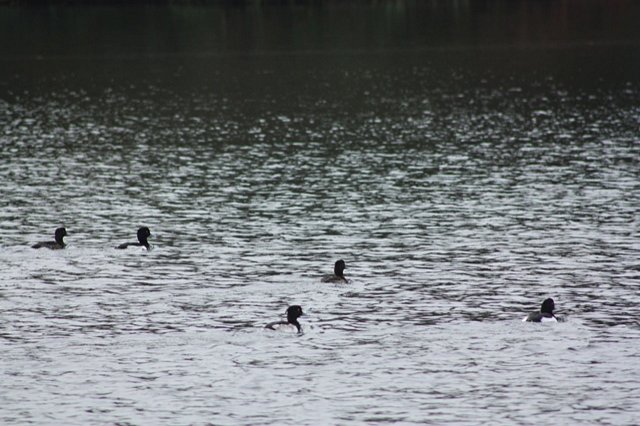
[[466, 160]]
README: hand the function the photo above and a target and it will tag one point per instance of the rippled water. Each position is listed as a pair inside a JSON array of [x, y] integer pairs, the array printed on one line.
[[461, 185]]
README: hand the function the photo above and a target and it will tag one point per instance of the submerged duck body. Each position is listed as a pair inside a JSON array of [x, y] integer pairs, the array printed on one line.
[[143, 234], [291, 324], [338, 274], [545, 314], [53, 245]]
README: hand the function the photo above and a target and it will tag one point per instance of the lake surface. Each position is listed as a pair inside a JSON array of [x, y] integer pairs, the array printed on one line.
[[466, 160]]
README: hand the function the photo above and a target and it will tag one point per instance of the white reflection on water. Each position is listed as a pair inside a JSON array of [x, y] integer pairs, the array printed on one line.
[[455, 219]]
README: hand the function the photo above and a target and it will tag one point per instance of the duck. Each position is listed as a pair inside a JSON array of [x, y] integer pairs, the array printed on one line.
[[53, 245], [143, 234], [338, 274], [545, 314], [293, 313]]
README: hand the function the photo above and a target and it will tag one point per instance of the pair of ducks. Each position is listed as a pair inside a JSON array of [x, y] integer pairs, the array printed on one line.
[[143, 234], [295, 311], [545, 314]]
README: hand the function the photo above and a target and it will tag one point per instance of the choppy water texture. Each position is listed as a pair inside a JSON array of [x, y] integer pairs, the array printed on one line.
[[462, 173]]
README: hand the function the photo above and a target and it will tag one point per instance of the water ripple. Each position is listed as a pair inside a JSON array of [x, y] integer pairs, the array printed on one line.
[[458, 199]]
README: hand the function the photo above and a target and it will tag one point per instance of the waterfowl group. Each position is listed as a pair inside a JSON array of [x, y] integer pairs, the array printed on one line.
[[143, 234], [295, 311]]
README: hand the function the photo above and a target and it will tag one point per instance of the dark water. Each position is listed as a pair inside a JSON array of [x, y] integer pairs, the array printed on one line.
[[466, 160]]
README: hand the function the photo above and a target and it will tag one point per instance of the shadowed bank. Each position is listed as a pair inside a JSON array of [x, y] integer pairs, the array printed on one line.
[[103, 27]]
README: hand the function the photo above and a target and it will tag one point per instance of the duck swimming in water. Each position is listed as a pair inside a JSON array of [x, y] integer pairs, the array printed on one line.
[[338, 274], [143, 234], [293, 313], [545, 314], [53, 245]]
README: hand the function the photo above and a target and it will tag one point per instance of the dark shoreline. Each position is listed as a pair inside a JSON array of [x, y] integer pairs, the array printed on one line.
[[241, 3]]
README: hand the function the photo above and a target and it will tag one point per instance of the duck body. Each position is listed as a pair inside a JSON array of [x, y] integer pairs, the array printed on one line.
[[332, 278], [58, 244], [540, 317], [338, 274], [291, 324], [284, 326], [545, 314], [143, 234]]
